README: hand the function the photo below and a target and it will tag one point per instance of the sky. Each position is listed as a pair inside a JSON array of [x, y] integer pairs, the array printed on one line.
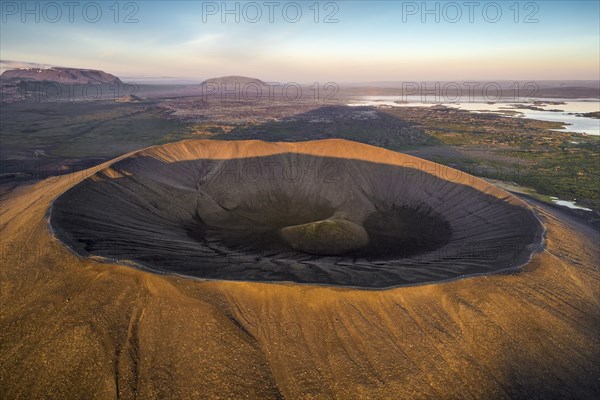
[[344, 41]]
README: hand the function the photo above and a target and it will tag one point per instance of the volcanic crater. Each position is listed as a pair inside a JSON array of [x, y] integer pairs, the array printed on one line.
[[329, 212]]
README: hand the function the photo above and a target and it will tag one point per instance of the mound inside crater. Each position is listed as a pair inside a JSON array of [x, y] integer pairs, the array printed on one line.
[[324, 212]]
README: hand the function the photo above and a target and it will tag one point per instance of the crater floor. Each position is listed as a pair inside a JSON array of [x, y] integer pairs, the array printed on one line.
[[328, 212]]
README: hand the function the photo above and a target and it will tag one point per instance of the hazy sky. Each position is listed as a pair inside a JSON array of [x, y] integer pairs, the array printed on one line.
[[372, 41]]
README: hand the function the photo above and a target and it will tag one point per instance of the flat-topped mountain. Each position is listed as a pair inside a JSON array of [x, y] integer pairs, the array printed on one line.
[[233, 80], [60, 75]]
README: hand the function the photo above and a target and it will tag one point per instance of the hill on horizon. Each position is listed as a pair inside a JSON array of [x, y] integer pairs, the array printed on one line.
[[231, 80], [60, 75]]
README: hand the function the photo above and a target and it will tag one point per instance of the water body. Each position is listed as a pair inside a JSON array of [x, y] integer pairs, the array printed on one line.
[[567, 114], [568, 204]]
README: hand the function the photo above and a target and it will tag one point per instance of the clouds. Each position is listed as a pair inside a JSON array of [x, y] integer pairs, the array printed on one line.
[[209, 39], [370, 42]]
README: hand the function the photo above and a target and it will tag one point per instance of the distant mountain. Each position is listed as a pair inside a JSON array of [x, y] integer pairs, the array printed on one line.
[[59, 75], [232, 80], [11, 64]]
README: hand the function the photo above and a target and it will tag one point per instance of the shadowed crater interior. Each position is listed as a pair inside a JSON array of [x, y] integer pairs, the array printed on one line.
[[324, 212]]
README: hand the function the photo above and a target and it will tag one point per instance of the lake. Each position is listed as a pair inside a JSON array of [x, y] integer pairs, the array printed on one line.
[[566, 115]]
